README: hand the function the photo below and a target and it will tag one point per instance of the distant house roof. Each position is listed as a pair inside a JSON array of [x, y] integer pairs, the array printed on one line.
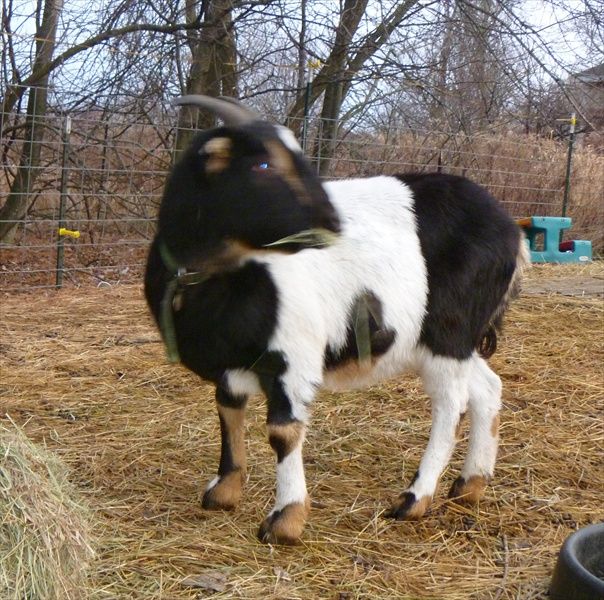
[[593, 75]]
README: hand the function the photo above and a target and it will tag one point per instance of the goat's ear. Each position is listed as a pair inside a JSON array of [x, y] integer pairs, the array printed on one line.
[[217, 153]]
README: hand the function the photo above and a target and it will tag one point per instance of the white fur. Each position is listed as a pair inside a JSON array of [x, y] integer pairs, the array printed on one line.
[[242, 383], [212, 483], [378, 251], [485, 402], [291, 483], [446, 382]]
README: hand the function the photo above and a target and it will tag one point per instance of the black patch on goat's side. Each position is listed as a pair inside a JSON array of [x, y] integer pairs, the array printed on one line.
[[470, 246], [380, 336], [224, 322]]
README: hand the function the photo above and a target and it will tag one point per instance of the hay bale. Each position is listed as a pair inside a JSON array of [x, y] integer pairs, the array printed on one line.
[[44, 530]]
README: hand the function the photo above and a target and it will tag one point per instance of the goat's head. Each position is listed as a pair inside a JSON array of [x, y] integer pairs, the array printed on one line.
[[241, 186]]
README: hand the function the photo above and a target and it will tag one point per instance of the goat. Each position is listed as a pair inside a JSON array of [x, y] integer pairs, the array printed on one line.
[[418, 276]]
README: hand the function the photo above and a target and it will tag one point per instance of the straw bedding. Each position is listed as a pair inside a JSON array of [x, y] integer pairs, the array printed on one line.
[[44, 530], [84, 373]]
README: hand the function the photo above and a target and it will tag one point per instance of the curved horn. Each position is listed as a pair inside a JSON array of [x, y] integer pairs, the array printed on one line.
[[252, 113], [230, 112]]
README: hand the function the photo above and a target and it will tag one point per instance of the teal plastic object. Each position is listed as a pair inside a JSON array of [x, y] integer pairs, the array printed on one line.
[[551, 229]]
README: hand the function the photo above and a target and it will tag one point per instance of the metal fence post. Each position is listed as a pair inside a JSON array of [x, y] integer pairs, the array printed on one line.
[[63, 198], [569, 158], [305, 121]]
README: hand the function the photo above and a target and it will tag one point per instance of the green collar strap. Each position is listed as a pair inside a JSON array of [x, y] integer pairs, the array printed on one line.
[[180, 278]]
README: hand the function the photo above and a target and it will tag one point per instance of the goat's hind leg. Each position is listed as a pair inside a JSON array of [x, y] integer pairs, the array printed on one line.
[[446, 382], [224, 491], [484, 405]]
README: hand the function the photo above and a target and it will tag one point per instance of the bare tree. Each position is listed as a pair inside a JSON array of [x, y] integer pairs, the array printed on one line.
[[213, 67], [15, 207], [342, 66], [212, 70], [450, 64]]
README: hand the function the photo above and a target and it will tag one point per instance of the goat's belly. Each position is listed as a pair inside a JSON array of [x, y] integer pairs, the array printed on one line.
[[350, 375], [355, 374]]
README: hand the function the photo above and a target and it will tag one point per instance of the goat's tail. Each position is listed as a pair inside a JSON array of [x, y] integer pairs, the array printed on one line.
[[488, 342]]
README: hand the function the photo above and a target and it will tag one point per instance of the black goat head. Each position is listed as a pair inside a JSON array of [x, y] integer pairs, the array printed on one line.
[[245, 184]]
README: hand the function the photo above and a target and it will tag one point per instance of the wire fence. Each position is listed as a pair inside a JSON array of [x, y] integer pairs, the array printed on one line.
[[93, 193]]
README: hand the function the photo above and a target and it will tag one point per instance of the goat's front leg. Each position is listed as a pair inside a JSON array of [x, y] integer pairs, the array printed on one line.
[[446, 382], [285, 522], [224, 491]]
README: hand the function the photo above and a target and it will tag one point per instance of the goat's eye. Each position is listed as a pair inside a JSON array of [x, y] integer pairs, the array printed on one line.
[[262, 166]]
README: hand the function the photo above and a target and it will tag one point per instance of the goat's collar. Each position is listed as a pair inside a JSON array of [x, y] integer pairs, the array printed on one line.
[[179, 273], [180, 278], [227, 259]]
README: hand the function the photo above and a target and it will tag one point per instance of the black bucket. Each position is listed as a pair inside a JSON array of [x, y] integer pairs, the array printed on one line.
[[579, 572]]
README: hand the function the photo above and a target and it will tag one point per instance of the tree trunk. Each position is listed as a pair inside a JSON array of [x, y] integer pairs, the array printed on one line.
[[18, 202], [343, 66], [302, 56], [332, 103], [437, 106], [350, 18], [213, 66]]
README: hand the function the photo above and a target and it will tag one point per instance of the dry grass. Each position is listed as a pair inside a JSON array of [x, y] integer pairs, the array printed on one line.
[[44, 530], [83, 372]]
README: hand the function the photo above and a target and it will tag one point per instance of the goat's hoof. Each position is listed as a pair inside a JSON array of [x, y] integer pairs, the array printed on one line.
[[284, 526], [408, 508], [225, 494], [470, 491]]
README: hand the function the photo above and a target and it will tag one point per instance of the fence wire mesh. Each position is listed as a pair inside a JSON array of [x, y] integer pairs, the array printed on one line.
[[102, 183]]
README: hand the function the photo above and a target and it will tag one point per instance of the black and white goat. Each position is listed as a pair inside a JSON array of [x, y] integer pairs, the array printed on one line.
[[432, 258]]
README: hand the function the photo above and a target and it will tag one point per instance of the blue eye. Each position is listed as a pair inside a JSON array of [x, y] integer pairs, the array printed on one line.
[[262, 166]]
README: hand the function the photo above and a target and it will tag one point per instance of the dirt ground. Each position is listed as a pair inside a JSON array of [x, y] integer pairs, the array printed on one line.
[[567, 280], [83, 372]]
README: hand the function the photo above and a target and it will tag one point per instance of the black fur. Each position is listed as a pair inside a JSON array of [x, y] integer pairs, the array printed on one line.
[[415, 478], [226, 464], [279, 445], [225, 398], [399, 512], [380, 336], [205, 220], [264, 531], [224, 322], [470, 246], [201, 211], [279, 409]]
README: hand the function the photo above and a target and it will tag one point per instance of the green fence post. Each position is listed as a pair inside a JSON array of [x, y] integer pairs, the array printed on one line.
[[64, 177], [571, 143], [306, 109]]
